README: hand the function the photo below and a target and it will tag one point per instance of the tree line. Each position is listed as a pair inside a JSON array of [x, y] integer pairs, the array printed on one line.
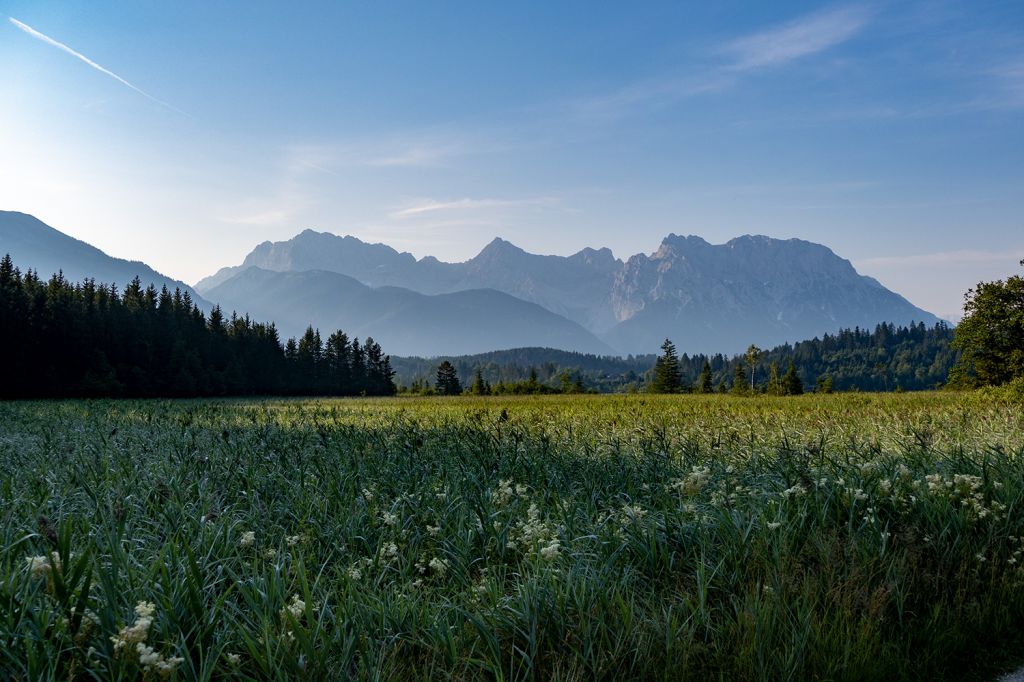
[[64, 339], [887, 358], [447, 382]]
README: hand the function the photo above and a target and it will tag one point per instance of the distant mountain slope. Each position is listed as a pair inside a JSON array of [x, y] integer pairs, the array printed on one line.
[[576, 287], [753, 289], [403, 321], [34, 244], [708, 298]]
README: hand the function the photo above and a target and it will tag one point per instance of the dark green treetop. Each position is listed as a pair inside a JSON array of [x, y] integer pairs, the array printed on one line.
[[990, 337], [668, 376], [448, 379]]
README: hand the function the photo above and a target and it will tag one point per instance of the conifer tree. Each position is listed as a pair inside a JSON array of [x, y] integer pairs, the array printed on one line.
[[533, 384], [774, 386], [791, 384], [448, 379], [704, 382], [88, 340], [479, 387], [739, 382], [668, 377]]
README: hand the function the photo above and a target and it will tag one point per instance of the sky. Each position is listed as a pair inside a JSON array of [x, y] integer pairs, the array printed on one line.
[[183, 134]]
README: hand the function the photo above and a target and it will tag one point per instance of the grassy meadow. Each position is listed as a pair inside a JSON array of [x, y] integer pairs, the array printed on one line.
[[835, 537]]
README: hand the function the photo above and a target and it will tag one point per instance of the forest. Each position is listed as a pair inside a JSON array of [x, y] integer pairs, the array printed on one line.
[[887, 358], [65, 339], [86, 339]]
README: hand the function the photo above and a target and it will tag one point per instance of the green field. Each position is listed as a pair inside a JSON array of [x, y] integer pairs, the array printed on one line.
[[837, 537]]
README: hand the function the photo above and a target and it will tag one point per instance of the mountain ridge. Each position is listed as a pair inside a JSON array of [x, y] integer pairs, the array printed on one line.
[[401, 320], [33, 244], [708, 297]]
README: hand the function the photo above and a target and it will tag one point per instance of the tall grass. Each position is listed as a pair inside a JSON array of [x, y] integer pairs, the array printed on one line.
[[827, 537]]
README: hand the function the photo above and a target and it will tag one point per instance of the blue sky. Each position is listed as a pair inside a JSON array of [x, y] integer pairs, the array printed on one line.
[[183, 134]]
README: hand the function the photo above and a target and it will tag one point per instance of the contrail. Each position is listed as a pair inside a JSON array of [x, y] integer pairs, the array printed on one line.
[[78, 55]]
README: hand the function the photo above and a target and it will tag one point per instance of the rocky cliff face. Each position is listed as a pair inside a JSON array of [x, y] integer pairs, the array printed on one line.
[[707, 297]]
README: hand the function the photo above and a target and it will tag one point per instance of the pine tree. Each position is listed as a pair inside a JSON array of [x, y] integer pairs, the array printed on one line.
[[739, 382], [791, 384], [704, 382], [448, 379], [479, 387], [668, 377], [357, 367], [774, 386], [533, 384]]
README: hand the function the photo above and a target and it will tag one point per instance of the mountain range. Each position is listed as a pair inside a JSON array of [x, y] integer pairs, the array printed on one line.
[[706, 297], [32, 244]]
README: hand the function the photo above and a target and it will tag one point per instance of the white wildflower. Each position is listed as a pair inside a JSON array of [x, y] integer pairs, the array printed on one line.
[[38, 566], [796, 491], [295, 608], [137, 632], [388, 551], [147, 656], [145, 609], [503, 494], [694, 481], [248, 539], [550, 551]]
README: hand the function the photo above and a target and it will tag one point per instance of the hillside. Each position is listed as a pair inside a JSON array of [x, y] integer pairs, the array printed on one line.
[[33, 244], [403, 321]]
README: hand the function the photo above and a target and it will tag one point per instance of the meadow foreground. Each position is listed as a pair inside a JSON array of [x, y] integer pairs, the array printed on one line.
[[631, 537]]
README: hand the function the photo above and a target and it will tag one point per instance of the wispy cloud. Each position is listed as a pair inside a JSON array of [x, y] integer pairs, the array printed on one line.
[[431, 206], [804, 36], [774, 46], [78, 55], [436, 148], [272, 217], [417, 155]]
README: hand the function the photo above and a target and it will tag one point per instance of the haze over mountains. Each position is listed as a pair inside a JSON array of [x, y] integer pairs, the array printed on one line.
[[33, 244], [405, 322], [707, 298]]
